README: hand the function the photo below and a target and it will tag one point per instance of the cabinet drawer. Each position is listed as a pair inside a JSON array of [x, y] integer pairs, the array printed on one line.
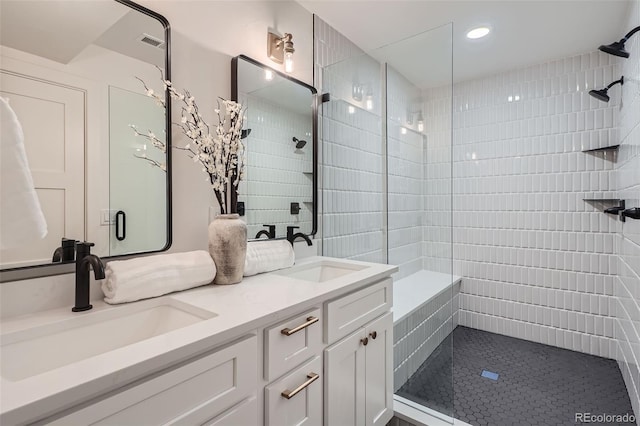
[[243, 414], [198, 391], [286, 348], [303, 408], [347, 314]]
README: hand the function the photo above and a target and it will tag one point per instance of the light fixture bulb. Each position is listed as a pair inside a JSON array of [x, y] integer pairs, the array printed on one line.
[[268, 75], [288, 61], [369, 102], [420, 126], [477, 33]]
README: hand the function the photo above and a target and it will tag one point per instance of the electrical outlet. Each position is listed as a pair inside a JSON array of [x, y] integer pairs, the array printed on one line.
[[107, 217]]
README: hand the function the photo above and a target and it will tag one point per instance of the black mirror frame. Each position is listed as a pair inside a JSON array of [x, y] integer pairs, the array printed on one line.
[[37, 271], [316, 101]]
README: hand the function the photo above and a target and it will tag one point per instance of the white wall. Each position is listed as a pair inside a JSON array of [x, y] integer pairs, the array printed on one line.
[[537, 260], [627, 244]]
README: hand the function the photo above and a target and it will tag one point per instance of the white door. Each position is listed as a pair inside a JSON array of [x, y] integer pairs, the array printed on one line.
[[379, 371], [52, 117], [344, 369]]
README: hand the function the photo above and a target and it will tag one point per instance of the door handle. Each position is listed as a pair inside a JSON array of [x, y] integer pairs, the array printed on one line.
[[373, 335], [365, 341], [290, 331], [312, 377], [121, 233]]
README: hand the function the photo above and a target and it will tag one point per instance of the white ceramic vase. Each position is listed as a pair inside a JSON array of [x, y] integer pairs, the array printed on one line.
[[228, 247]]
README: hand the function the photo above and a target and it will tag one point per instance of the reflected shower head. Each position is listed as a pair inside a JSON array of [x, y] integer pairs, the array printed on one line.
[[617, 48], [602, 94], [299, 144]]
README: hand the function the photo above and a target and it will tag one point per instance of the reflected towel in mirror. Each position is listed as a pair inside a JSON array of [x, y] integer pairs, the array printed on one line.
[[22, 220]]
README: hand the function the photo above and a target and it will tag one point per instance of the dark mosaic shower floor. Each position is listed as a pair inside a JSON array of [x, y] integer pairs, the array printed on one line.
[[537, 384]]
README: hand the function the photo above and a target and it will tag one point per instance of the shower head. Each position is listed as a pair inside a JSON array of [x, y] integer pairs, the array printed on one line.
[[601, 94], [617, 48], [299, 144]]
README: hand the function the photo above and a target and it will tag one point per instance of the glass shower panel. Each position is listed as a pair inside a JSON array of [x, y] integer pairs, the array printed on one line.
[[418, 93], [387, 195], [352, 159]]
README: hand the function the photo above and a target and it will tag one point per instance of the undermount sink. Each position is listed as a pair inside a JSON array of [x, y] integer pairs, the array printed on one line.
[[36, 350], [321, 271]]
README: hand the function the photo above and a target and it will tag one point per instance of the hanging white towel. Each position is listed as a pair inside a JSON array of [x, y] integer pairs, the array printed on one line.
[[265, 256], [21, 218], [145, 277]]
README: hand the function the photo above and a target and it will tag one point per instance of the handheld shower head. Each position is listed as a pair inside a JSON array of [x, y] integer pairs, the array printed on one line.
[[602, 94], [299, 144]]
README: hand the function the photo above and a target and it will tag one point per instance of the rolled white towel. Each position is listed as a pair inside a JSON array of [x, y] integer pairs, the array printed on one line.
[[265, 256], [145, 277]]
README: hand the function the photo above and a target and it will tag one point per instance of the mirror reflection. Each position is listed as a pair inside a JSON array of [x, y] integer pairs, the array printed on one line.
[[278, 191], [73, 84]]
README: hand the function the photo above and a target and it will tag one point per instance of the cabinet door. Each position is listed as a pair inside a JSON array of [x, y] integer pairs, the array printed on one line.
[[344, 389], [192, 393], [379, 371], [303, 408]]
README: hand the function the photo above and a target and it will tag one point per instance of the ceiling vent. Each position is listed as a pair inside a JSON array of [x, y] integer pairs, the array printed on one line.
[[151, 40]]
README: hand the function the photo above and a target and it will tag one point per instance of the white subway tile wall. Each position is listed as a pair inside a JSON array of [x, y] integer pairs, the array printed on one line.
[[405, 175], [418, 335], [627, 243], [277, 173], [437, 221], [352, 162], [538, 262]]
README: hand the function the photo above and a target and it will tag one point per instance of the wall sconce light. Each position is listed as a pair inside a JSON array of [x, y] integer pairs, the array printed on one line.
[[419, 119], [420, 122], [369, 100], [357, 92], [280, 49]]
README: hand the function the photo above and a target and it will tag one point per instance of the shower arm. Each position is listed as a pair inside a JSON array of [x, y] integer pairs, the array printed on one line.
[[621, 81], [629, 34]]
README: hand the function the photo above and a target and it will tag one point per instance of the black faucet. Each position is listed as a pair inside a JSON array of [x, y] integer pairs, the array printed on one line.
[[66, 252], [84, 258], [271, 233], [291, 237]]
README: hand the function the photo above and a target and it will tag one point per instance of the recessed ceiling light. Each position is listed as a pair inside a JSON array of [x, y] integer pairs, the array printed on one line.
[[478, 32]]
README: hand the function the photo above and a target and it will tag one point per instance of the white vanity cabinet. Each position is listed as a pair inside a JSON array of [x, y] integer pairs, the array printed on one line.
[[359, 368], [284, 352], [296, 397], [218, 388]]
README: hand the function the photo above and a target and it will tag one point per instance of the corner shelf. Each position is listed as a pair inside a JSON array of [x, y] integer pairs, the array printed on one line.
[[601, 200], [603, 149]]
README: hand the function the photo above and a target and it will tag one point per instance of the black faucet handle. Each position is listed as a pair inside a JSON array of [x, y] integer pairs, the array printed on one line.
[[83, 248], [272, 230]]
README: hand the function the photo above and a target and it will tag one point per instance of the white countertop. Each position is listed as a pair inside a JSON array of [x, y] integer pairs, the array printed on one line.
[[241, 308]]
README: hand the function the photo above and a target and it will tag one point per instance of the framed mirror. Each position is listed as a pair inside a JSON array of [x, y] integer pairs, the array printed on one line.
[[72, 74], [280, 185]]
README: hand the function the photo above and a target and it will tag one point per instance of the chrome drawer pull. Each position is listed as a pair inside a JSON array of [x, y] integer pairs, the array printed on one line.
[[312, 378], [290, 331]]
